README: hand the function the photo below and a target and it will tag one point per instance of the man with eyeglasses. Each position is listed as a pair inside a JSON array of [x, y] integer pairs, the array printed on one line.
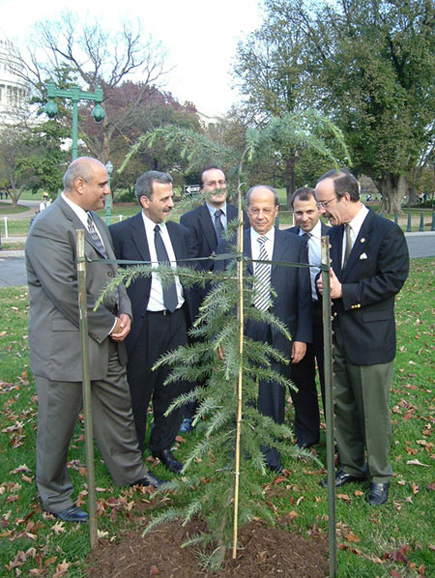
[[207, 224], [369, 265]]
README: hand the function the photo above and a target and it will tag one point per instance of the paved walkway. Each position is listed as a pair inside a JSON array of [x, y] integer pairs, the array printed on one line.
[[13, 269]]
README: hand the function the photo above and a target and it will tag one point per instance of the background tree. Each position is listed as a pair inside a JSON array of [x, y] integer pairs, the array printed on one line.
[[271, 72], [89, 57], [368, 64], [32, 158]]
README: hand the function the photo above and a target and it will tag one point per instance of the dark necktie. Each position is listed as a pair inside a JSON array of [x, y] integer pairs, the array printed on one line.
[[262, 281], [306, 237], [170, 298], [218, 223], [98, 244], [348, 247]]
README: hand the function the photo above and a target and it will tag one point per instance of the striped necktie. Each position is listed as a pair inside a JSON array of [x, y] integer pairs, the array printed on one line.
[[262, 278], [98, 243]]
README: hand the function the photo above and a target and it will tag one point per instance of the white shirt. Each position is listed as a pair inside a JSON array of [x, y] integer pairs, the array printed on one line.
[[82, 215], [314, 254], [355, 227], [268, 245], [156, 302]]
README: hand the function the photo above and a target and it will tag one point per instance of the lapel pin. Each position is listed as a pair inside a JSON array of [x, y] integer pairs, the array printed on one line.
[[363, 240]]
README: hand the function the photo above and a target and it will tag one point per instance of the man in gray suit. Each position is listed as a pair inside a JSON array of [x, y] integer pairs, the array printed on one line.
[[54, 339]]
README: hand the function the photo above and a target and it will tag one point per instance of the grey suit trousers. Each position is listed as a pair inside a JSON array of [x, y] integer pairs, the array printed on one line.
[[59, 404], [362, 415]]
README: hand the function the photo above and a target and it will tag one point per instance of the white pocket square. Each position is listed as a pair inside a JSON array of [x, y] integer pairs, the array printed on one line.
[[363, 256]]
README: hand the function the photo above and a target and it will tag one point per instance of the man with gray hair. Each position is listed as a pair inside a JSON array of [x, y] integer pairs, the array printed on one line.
[[370, 263], [161, 314], [55, 344]]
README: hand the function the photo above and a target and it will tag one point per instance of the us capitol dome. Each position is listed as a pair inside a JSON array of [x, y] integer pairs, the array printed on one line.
[[14, 91]]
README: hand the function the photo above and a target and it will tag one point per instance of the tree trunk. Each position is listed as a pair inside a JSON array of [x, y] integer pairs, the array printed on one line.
[[393, 188], [290, 176]]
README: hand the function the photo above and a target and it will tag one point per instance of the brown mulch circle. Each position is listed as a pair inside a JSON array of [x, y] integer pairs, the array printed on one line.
[[263, 551]]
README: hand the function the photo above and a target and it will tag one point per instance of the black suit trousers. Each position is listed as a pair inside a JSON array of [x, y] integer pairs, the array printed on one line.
[[159, 334]]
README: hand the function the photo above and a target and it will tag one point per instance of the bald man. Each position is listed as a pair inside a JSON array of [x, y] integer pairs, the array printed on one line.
[[55, 346]]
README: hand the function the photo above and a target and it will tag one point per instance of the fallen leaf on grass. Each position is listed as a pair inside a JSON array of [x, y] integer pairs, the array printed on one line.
[[61, 569], [344, 497], [58, 528], [102, 534], [398, 555], [22, 468], [416, 463], [154, 571]]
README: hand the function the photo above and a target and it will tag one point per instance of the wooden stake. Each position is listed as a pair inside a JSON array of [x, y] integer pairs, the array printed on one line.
[[86, 384]]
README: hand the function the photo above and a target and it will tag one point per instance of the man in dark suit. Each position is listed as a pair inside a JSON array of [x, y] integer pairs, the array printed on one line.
[[55, 345], [310, 228], [291, 305], [206, 225], [370, 264], [157, 326]]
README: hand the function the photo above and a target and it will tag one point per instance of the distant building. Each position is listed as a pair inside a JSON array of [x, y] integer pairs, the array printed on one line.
[[14, 91]]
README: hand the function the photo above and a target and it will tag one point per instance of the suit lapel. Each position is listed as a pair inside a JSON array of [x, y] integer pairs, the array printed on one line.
[[247, 249], [360, 243], [139, 237], [278, 248], [209, 232]]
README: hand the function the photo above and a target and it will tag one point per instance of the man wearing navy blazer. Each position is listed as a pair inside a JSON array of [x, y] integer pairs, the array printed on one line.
[[369, 265], [291, 305], [55, 345], [155, 328], [310, 228], [206, 224]]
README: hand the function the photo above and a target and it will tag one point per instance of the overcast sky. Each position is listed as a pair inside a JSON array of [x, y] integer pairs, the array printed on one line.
[[200, 36]]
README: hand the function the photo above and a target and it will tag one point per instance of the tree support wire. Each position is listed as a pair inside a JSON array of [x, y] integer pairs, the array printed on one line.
[[327, 337], [86, 384]]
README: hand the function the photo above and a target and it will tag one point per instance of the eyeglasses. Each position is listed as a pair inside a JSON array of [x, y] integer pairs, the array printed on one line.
[[324, 204]]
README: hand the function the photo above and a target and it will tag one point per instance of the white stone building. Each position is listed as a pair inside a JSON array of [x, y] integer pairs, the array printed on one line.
[[14, 91]]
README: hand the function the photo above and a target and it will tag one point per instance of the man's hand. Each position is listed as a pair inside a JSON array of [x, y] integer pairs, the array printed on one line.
[[336, 291], [299, 348], [122, 327]]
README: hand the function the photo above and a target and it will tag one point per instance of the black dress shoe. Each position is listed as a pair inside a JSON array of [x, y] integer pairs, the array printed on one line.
[[167, 458], [377, 494], [276, 469], [342, 478], [149, 480], [72, 514]]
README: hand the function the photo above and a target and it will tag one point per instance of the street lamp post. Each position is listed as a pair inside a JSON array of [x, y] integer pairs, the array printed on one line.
[[109, 169], [75, 95]]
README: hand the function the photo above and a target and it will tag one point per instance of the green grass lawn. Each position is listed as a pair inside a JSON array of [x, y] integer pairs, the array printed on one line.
[[396, 539]]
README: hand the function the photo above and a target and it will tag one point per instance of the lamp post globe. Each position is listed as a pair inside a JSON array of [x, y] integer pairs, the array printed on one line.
[[51, 109]]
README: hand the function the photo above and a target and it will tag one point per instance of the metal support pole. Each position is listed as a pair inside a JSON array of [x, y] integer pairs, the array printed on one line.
[[330, 458], [433, 221], [75, 125], [84, 337], [408, 226], [396, 218]]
